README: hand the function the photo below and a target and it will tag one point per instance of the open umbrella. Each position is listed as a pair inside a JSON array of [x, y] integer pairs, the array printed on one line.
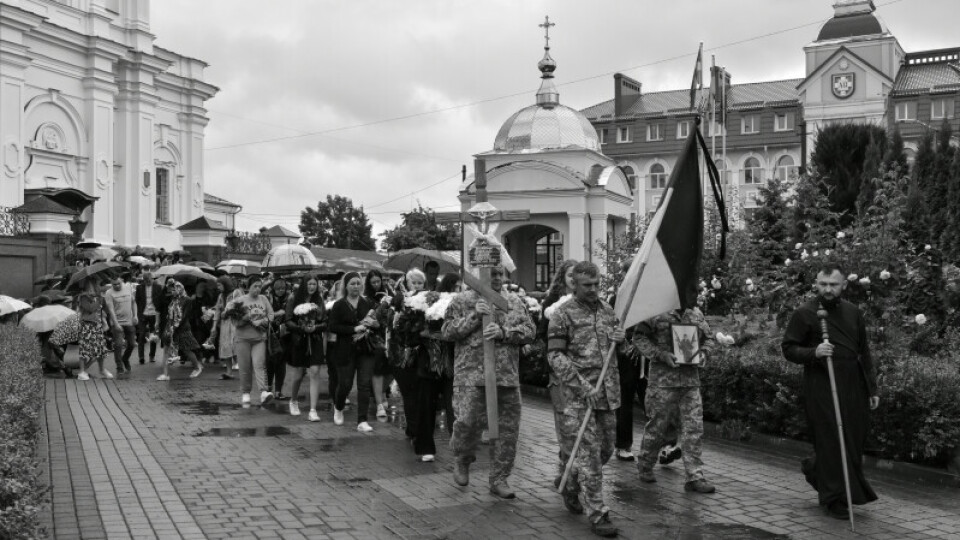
[[56, 296], [100, 269], [99, 253], [141, 260], [46, 318], [406, 259], [180, 271], [239, 266], [289, 258], [47, 278], [9, 304]]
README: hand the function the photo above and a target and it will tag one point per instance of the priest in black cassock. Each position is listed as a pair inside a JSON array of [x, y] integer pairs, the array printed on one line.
[[856, 388]]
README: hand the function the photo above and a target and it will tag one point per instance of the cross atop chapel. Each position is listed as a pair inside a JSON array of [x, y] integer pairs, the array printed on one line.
[[546, 30]]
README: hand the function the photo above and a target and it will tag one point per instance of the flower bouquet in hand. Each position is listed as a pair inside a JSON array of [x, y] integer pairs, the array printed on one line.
[[307, 315], [235, 312]]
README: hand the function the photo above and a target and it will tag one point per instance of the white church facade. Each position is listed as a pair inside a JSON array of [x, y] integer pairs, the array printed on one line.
[[99, 122]]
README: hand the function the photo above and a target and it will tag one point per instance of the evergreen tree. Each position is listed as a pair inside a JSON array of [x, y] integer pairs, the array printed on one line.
[[950, 240], [814, 222], [916, 227], [895, 156], [769, 225], [420, 229], [872, 170], [337, 223], [937, 191], [838, 160]]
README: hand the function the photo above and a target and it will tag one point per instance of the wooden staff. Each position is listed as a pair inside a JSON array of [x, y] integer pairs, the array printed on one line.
[[822, 315]]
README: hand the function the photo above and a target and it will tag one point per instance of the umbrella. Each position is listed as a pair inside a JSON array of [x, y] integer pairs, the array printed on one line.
[[100, 253], [180, 271], [199, 264], [289, 258], [89, 244], [239, 266], [141, 260], [406, 259], [56, 296], [9, 304], [108, 268], [46, 278], [46, 318]]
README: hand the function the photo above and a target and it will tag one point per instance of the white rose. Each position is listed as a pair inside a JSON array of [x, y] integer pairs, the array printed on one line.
[[798, 246], [804, 255], [815, 253], [927, 247], [749, 281], [884, 275], [852, 277], [826, 252], [865, 281], [920, 319], [716, 283], [787, 262], [751, 287], [703, 284], [841, 234]]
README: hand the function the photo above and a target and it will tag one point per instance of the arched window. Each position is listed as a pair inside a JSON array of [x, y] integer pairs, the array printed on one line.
[[752, 172], [724, 173], [631, 177], [786, 170], [658, 176]]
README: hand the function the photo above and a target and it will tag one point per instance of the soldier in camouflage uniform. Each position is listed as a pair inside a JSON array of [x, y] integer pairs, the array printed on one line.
[[462, 324], [581, 332], [673, 395]]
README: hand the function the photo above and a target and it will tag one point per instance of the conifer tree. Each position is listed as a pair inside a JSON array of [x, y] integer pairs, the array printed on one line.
[[872, 171], [950, 240], [895, 156], [936, 191]]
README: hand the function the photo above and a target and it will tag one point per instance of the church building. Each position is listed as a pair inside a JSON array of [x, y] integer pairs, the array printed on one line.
[[856, 71]]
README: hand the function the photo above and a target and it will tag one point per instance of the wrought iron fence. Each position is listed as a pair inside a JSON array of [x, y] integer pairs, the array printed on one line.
[[248, 243], [12, 223]]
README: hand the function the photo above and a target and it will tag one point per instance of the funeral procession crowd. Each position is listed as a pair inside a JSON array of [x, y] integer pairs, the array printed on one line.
[[428, 332]]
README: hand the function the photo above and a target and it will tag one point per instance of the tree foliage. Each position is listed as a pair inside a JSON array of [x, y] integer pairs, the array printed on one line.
[[419, 228], [336, 223], [838, 160]]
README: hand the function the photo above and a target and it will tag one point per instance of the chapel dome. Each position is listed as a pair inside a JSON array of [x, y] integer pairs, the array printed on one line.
[[852, 18], [546, 125]]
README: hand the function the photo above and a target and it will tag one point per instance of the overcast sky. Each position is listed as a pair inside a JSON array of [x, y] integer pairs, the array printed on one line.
[[286, 68]]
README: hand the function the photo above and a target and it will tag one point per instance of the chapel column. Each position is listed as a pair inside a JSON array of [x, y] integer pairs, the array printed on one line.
[[577, 243], [14, 62]]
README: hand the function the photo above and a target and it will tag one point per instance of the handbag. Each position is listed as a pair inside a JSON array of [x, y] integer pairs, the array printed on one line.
[[274, 348]]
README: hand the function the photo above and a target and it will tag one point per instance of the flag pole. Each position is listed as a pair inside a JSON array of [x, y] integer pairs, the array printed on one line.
[[603, 373], [822, 315]]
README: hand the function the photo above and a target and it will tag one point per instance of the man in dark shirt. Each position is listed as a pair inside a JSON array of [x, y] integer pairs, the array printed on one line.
[[856, 380]]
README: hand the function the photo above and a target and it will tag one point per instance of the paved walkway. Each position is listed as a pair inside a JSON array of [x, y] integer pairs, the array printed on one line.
[[138, 458]]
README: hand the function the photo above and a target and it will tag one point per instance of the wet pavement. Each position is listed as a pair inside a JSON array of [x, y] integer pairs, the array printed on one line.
[[137, 458]]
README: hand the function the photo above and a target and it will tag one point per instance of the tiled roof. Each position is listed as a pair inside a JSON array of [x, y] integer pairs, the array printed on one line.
[[769, 93], [202, 223], [278, 230], [923, 78], [208, 198], [44, 205]]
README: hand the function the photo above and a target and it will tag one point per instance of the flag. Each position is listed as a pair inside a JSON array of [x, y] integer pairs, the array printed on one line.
[[664, 274], [697, 83]]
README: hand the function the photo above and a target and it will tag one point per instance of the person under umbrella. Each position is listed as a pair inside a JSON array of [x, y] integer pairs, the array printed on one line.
[[179, 332], [93, 345], [225, 328]]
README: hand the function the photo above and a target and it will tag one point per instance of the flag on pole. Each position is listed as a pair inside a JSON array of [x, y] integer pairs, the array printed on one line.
[[697, 83], [665, 271]]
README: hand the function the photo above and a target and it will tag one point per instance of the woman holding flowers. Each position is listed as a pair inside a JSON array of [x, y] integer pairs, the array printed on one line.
[[404, 347], [224, 328], [253, 314], [179, 332], [376, 291], [352, 320], [434, 366], [305, 320]]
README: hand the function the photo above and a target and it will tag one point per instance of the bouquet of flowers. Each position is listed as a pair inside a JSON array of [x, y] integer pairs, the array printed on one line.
[[208, 314], [307, 314], [235, 311], [438, 309], [532, 304]]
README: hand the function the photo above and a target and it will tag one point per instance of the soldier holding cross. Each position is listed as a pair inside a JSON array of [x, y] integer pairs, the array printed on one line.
[[508, 331]]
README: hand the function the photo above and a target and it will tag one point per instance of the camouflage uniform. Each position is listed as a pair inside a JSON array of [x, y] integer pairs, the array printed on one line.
[[463, 325], [673, 394], [578, 339]]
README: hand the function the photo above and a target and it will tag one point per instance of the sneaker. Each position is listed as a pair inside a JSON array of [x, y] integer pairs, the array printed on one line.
[[196, 373], [699, 486], [106, 374], [245, 399], [172, 359], [226, 377], [426, 458], [364, 427], [381, 411], [571, 500], [603, 527], [646, 476], [625, 455], [294, 408], [313, 416], [163, 377], [265, 398], [337, 417], [83, 376], [236, 367], [669, 454]]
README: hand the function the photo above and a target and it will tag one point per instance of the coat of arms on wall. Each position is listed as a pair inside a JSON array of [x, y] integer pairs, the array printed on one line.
[[843, 85]]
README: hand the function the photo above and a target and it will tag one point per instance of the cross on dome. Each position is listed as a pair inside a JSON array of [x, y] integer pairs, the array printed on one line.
[[546, 30]]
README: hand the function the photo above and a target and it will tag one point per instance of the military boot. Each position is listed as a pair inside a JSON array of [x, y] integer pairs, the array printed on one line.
[[603, 527], [700, 486], [646, 475], [571, 500], [461, 474], [501, 489]]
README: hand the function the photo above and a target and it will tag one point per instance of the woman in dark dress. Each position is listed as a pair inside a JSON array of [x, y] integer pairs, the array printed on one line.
[[402, 361], [351, 319], [376, 290], [179, 331], [305, 322]]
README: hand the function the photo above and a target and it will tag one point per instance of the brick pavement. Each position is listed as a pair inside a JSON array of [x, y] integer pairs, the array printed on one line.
[[142, 459]]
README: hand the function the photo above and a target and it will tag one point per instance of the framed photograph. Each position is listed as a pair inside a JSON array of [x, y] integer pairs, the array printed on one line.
[[686, 344]]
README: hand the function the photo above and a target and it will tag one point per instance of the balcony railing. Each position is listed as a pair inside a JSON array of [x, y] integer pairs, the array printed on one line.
[[12, 223]]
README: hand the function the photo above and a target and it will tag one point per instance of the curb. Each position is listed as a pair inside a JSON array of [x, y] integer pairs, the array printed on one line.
[[800, 449]]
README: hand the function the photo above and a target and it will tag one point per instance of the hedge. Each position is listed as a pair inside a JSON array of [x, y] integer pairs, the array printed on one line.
[[21, 402]]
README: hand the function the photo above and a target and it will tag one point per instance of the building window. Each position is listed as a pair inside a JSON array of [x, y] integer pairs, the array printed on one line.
[[906, 110], [631, 177], [655, 132], [752, 172], [658, 176], [750, 124], [163, 196], [602, 135], [549, 257], [623, 135], [724, 172], [750, 199], [786, 171], [940, 109], [784, 121], [716, 129], [683, 129], [655, 202]]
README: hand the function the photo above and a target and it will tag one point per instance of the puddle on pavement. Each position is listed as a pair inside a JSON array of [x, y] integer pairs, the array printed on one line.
[[265, 431], [205, 408], [723, 531]]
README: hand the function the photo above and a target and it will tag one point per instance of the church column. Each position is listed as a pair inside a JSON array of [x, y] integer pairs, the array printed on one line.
[[14, 61], [598, 236], [576, 247], [100, 90]]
